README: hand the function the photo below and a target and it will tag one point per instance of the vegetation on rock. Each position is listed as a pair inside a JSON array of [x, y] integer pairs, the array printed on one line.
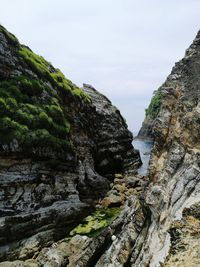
[[31, 103], [154, 106], [93, 224], [12, 39], [46, 71], [31, 114]]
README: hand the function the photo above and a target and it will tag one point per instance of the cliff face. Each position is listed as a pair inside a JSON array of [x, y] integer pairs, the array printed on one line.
[[108, 120], [58, 147], [166, 233], [145, 131], [173, 194], [159, 225], [159, 222]]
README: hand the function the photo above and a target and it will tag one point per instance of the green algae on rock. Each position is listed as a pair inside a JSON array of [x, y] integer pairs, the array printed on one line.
[[93, 224]]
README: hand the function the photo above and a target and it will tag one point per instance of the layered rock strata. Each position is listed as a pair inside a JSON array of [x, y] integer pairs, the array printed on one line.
[[108, 248], [166, 232], [169, 235], [59, 148], [174, 167], [159, 224]]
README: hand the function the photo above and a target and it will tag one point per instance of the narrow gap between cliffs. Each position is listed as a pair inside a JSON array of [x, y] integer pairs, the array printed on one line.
[[144, 146]]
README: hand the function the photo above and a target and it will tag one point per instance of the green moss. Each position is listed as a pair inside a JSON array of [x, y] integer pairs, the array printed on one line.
[[11, 130], [10, 37], [37, 63], [95, 223], [25, 116], [45, 71], [45, 141], [31, 109], [154, 107], [3, 106]]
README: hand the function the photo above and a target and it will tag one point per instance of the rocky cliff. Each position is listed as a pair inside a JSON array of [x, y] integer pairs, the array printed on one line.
[[157, 221], [163, 229], [145, 131], [59, 149], [173, 193], [159, 224]]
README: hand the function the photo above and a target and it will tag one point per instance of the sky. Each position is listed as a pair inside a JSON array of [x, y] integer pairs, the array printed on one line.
[[124, 48]]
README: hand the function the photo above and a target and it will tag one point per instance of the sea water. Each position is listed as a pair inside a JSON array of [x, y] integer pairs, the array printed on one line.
[[144, 146]]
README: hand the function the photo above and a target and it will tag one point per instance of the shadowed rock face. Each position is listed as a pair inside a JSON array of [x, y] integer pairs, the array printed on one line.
[[146, 130], [44, 191], [111, 136]]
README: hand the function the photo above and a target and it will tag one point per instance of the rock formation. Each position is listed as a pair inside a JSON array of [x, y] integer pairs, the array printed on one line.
[[59, 149], [145, 131], [159, 220], [167, 232], [160, 225], [173, 193]]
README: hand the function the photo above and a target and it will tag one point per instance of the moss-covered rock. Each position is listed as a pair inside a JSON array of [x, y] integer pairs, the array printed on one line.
[[31, 113], [93, 224], [31, 101], [154, 106], [46, 71], [55, 141]]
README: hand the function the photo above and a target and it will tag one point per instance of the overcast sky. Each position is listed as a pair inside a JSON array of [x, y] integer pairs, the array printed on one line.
[[124, 48]]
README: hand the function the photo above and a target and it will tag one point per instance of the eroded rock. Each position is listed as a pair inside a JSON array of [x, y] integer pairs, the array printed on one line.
[[45, 190]]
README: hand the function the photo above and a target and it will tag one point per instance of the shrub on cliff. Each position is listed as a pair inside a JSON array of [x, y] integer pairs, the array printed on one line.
[[154, 107]]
